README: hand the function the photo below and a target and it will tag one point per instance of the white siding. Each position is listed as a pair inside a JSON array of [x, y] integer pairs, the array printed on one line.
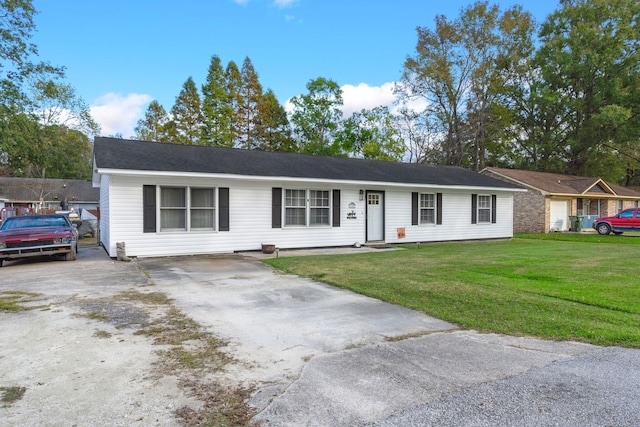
[[456, 217], [105, 237], [250, 218]]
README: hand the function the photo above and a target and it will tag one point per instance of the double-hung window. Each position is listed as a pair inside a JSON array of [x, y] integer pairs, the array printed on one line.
[[295, 207], [427, 208], [173, 208], [319, 207], [185, 208], [203, 211], [484, 208], [307, 207]]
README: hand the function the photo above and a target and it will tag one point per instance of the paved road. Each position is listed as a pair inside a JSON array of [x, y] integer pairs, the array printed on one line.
[[323, 356]]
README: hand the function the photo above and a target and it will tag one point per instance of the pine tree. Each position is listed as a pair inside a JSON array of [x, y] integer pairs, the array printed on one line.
[[216, 109], [186, 115], [249, 107], [234, 98], [274, 132], [152, 126]]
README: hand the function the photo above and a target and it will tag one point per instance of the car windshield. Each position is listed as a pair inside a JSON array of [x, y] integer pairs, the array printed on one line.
[[32, 222]]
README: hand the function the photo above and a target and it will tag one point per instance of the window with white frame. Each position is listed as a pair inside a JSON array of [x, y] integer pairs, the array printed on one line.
[[295, 207], [173, 208], [307, 207], [319, 207], [203, 210], [427, 208], [484, 208], [177, 202]]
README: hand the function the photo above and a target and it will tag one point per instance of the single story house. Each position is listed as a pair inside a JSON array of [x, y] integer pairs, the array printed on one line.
[[37, 194], [166, 199], [552, 198]]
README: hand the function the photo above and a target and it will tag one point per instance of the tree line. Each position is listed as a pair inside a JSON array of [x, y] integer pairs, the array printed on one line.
[[494, 88], [45, 127], [502, 91], [232, 110]]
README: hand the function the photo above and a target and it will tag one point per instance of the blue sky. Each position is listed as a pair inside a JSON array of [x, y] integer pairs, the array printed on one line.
[[121, 54]]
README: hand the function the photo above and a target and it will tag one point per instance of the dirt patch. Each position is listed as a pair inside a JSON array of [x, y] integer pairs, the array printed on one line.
[[188, 352]]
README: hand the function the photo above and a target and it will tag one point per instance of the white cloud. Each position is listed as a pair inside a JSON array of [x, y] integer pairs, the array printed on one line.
[[119, 114], [364, 96]]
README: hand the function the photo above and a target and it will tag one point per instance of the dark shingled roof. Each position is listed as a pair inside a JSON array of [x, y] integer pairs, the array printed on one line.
[[113, 153]]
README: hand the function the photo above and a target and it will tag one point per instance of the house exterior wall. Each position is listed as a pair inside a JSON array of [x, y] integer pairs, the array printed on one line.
[[530, 212], [250, 218], [105, 213]]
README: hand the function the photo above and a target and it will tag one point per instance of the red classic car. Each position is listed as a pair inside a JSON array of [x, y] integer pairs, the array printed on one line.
[[627, 220], [38, 235]]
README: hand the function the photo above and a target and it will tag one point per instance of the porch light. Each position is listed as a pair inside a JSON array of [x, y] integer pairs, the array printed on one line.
[[361, 194]]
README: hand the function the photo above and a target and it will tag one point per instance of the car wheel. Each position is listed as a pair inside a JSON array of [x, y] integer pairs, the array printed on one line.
[[603, 228], [71, 256], [1, 262]]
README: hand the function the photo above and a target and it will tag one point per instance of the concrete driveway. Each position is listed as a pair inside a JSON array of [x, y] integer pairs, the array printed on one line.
[[316, 355], [322, 356]]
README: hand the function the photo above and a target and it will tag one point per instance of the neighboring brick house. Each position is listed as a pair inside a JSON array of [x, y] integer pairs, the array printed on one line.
[[552, 198]]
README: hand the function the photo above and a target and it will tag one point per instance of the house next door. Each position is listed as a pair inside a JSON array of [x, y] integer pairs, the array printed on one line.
[[375, 216]]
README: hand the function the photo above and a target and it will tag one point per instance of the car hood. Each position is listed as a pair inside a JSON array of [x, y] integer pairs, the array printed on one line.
[[35, 233]]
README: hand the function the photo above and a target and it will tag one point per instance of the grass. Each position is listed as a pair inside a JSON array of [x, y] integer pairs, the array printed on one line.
[[14, 300], [11, 394], [555, 286]]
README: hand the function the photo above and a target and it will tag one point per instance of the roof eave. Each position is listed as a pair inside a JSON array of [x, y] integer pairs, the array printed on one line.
[[595, 196], [261, 178]]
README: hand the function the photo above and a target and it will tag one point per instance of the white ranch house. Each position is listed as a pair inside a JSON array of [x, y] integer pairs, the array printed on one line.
[[166, 199]]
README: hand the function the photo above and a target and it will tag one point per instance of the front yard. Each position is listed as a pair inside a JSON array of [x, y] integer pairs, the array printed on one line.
[[558, 286]]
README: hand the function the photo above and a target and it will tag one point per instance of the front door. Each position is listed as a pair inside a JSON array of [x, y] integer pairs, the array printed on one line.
[[375, 216]]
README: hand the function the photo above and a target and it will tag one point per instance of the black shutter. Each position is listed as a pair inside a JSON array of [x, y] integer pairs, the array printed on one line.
[[438, 208], [414, 208], [276, 207], [336, 208], [474, 209], [223, 202], [149, 208], [494, 203]]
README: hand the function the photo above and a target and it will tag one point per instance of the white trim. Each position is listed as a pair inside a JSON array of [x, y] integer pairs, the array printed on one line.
[[188, 210], [332, 182], [484, 209], [434, 209]]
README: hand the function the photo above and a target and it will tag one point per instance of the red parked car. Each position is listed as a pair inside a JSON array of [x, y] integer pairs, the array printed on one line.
[[627, 220], [38, 235]]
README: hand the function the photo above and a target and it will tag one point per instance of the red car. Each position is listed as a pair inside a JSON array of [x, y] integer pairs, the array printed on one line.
[[38, 235], [627, 220]]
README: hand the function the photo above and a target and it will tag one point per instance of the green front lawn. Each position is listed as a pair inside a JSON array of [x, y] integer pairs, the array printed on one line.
[[558, 286]]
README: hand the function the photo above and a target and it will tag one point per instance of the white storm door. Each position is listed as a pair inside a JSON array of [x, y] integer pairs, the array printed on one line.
[[375, 216]]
